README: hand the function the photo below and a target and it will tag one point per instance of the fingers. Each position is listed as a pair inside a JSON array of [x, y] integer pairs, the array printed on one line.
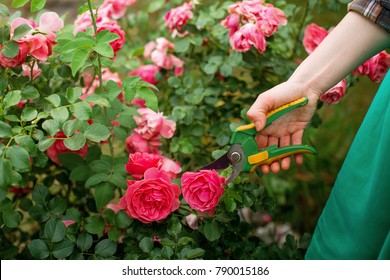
[[257, 112]]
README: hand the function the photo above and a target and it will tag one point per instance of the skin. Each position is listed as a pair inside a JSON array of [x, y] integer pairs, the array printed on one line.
[[354, 40]]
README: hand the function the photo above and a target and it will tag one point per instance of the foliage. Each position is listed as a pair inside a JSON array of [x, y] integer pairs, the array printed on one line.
[[66, 207]]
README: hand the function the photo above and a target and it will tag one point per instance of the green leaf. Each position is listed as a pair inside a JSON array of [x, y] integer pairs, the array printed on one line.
[[29, 114], [150, 98], [194, 253], [30, 92], [212, 231], [78, 60], [105, 36], [55, 230], [12, 98], [60, 114], [19, 3], [82, 9], [122, 220], [5, 130], [95, 225], [40, 194], [57, 205], [71, 126], [20, 31], [11, 49], [81, 110], [45, 143], [167, 252], [97, 132], [37, 5], [5, 170], [114, 234], [11, 218], [73, 94], [182, 45], [97, 99], [103, 194], [27, 143], [146, 244], [76, 142], [104, 49], [62, 249], [54, 99], [4, 10], [4, 34], [19, 158], [51, 126], [105, 248], [38, 249], [84, 241], [174, 227], [96, 179]]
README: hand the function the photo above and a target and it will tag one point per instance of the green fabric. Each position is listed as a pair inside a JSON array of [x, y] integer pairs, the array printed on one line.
[[355, 222]]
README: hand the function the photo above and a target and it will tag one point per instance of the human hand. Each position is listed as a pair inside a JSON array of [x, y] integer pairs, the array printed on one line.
[[288, 129]]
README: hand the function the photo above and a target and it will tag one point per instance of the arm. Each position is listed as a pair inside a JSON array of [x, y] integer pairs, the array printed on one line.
[[353, 41]]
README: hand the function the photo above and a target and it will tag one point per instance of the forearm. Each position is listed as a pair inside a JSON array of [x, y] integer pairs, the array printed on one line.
[[354, 40]]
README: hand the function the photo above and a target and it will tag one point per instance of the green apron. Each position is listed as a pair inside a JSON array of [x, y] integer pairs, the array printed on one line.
[[355, 222]]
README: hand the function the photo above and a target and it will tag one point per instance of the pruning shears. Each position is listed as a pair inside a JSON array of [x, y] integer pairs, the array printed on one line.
[[244, 154]]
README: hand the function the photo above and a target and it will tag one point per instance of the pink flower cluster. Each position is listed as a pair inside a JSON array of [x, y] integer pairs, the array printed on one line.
[[106, 18], [177, 17], [150, 127], [38, 42], [250, 22], [375, 68]]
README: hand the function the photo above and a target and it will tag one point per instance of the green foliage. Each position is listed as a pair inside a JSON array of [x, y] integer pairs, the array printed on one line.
[[59, 210]]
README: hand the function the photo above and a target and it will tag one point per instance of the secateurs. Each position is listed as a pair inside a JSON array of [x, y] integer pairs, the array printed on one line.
[[244, 154]]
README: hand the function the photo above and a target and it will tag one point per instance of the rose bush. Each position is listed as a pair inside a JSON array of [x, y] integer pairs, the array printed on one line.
[[105, 120]]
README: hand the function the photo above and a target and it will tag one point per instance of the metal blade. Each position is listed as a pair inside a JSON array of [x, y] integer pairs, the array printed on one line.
[[219, 164]]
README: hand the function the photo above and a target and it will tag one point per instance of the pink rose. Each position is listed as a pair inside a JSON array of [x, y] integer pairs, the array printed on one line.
[[313, 36], [202, 190], [232, 22], [152, 198], [139, 162], [147, 73], [192, 221], [68, 223], [18, 60], [270, 18], [177, 17], [334, 95], [152, 125], [136, 143], [59, 148], [375, 68], [246, 36], [116, 8]]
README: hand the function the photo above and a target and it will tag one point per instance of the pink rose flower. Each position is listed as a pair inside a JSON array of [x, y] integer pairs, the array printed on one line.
[[139, 162], [247, 36], [334, 95], [68, 223], [202, 190], [192, 221], [313, 36], [152, 198], [18, 60], [136, 143], [59, 148], [269, 19], [177, 17], [152, 125], [147, 73], [159, 53], [115, 8], [40, 39], [375, 68], [232, 22]]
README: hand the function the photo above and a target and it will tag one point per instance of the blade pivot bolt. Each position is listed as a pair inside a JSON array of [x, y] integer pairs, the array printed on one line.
[[235, 157]]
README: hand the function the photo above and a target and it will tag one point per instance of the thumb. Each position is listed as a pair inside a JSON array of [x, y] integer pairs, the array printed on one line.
[[257, 113]]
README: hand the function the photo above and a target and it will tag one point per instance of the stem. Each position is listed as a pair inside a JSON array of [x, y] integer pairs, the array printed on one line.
[[300, 26], [95, 32]]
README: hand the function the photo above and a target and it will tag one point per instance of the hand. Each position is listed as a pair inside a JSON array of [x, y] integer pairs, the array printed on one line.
[[288, 129]]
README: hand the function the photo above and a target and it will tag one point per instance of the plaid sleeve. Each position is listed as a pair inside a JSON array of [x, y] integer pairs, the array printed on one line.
[[378, 11]]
